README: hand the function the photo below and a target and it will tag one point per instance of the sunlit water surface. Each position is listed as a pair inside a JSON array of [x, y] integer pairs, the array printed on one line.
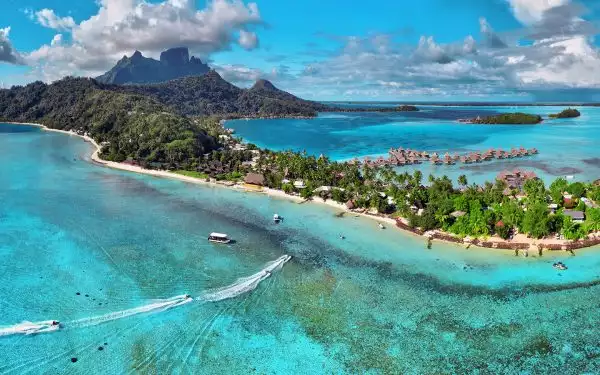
[[568, 147], [377, 302]]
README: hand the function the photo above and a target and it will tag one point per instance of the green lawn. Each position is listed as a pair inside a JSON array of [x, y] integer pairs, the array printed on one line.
[[193, 174]]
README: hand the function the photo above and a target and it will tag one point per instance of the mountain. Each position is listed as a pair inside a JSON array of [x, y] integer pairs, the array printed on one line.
[[137, 69], [210, 94], [134, 126]]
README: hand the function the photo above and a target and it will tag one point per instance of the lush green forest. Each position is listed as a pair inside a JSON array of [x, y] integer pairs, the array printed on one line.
[[567, 113], [465, 210], [509, 118], [131, 126]]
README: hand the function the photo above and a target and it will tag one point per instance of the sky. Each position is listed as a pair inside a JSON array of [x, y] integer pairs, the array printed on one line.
[[382, 50]]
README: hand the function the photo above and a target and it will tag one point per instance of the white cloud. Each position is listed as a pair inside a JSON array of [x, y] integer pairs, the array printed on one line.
[[122, 26], [7, 51], [47, 18], [56, 40], [248, 40], [531, 11]]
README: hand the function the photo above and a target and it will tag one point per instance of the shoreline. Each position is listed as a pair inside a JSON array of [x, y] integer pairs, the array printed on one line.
[[524, 244]]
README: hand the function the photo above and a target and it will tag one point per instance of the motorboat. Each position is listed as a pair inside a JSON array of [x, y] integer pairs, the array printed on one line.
[[381, 226], [560, 266], [277, 219], [32, 328], [219, 238]]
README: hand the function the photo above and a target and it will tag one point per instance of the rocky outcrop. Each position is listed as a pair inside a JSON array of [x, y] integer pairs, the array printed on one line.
[[137, 69]]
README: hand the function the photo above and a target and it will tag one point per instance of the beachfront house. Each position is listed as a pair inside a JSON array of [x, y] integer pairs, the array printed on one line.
[[321, 189], [255, 180], [577, 216], [299, 184]]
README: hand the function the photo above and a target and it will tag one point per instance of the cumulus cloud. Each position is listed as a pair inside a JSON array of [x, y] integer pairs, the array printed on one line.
[[7, 51], [248, 40], [552, 51], [47, 18], [531, 11], [244, 76], [122, 26], [490, 37]]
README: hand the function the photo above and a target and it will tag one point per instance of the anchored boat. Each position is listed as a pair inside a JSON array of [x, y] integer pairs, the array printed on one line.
[[219, 238]]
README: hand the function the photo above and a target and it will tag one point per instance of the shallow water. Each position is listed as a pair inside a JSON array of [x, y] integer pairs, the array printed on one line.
[[568, 147], [377, 302]]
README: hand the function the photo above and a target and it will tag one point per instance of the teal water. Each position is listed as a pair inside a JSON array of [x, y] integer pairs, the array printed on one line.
[[377, 302], [568, 147]]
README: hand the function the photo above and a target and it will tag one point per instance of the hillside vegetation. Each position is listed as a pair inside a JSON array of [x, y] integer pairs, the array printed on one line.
[[212, 95], [509, 118], [567, 113], [132, 126]]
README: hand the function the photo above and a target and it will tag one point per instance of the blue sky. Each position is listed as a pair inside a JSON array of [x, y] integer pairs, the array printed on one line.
[[324, 49]]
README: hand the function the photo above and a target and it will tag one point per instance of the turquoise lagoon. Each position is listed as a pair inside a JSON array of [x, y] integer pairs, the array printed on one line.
[[568, 147], [377, 302]]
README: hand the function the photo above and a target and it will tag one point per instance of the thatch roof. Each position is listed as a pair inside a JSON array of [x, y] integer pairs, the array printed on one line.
[[255, 179]]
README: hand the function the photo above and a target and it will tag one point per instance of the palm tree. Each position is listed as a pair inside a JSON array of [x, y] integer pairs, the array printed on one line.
[[462, 180]]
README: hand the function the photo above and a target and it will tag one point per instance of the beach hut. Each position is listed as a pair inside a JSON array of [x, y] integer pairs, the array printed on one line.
[[255, 179]]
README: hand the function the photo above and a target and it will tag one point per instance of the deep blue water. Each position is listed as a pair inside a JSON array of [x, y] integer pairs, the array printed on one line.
[[377, 302], [568, 147]]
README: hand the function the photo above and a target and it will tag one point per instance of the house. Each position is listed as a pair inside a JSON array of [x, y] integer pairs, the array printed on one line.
[[577, 216], [255, 179], [457, 214], [553, 207], [299, 184], [322, 189]]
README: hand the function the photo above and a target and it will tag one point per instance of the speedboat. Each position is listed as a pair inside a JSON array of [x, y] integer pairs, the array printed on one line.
[[32, 328], [277, 219], [381, 226], [560, 266], [219, 238]]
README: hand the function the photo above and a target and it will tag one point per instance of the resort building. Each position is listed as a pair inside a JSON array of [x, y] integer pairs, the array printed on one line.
[[577, 216], [255, 179]]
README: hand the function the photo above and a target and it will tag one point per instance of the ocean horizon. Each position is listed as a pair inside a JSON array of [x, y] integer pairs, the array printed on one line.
[[567, 147]]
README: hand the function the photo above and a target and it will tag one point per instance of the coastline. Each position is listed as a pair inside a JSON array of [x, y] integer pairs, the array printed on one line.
[[524, 244]]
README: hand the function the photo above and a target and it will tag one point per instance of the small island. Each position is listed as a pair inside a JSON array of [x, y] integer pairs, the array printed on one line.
[[567, 113], [517, 118], [407, 108]]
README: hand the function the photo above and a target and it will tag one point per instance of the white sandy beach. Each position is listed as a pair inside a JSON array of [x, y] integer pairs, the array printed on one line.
[[519, 238]]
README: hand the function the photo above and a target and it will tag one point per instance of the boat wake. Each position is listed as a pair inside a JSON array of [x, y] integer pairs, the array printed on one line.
[[30, 328], [156, 306], [239, 287], [244, 284]]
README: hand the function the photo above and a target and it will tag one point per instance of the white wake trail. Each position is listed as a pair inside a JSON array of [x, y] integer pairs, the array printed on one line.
[[244, 284], [156, 306], [239, 287]]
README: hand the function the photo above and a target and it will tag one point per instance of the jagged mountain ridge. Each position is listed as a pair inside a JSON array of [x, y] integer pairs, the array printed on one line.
[[210, 94], [174, 63]]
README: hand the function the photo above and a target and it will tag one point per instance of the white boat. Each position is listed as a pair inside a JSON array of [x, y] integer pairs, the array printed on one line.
[[219, 238], [381, 226], [31, 328], [277, 218]]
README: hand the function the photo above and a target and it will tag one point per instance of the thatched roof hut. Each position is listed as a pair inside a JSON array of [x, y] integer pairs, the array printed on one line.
[[255, 179]]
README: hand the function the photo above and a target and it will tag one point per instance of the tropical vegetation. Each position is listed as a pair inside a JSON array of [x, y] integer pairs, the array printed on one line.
[[509, 118], [567, 113]]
